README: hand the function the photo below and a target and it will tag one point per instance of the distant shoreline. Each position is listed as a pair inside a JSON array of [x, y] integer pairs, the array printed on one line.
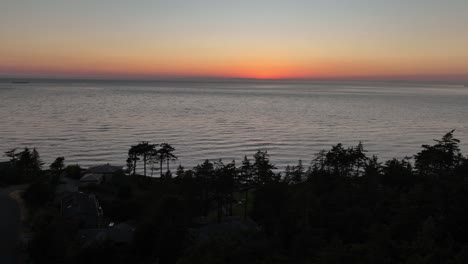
[[222, 80]]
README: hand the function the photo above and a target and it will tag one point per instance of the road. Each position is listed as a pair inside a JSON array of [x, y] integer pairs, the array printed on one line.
[[9, 229]]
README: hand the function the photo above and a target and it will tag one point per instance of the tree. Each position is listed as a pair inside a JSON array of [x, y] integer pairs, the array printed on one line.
[[398, 173], [144, 150], [38, 193], [73, 171], [204, 174], [320, 161], [439, 159], [133, 158], [27, 162], [341, 161], [263, 169], [245, 180], [37, 162], [287, 174], [180, 171], [56, 168], [12, 155], [225, 176], [165, 154], [297, 173], [58, 165], [130, 166], [359, 158]]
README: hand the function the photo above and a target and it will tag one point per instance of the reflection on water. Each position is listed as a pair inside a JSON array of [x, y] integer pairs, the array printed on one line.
[[96, 122]]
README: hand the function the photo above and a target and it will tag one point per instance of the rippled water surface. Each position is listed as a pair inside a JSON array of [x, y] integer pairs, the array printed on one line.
[[92, 122]]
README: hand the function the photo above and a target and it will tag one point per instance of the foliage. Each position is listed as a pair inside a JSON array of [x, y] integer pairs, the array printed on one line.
[[38, 193], [58, 165], [439, 159], [73, 171], [25, 166], [346, 207]]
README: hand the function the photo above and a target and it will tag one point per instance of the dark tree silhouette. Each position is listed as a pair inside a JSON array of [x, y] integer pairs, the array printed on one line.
[[263, 169], [58, 165], [439, 159], [12, 155], [297, 173], [144, 150], [225, 175], [166, 154], [27, 162], [180, 171], [398, 174], [204, 173], [132, 159], [245, 180], [345, 208]]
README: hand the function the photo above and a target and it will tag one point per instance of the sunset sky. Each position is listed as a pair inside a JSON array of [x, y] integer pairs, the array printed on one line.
[[412, 39]]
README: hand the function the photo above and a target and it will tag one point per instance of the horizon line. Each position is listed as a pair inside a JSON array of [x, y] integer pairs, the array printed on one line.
[[212, 78]]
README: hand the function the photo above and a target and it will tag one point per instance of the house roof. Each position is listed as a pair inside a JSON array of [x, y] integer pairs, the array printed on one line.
[[92, 177], [104, 169]]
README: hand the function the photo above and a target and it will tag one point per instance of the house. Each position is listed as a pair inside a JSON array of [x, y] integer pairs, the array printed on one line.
[[91, 179], [106, 170], [81, 209]]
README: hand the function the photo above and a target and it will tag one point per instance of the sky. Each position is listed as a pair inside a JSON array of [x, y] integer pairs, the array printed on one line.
[[316, 39]]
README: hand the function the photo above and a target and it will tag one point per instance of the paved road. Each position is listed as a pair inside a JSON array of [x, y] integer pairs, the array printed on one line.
[[9, 228]]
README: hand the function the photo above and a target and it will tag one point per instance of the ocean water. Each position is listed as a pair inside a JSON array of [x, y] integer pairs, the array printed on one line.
[[95, 122]]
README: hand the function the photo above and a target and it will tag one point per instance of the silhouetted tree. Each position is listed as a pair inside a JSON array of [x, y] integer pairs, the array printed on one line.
[[359, 158], [398, 173], [350, 209], [132, 159], [37, 162], [263, 169], [38, 193], [204, 174], [27, 162], [439, 159], [58, 165], [320, 161], [73, 171], [297, 173], [12, 155], [287, 174], [180, 171], [166, 154], [225, 175], [245, 180], [129, 167], [144, 150]]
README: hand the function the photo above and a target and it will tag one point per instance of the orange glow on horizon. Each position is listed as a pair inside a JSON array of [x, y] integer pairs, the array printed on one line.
[[260, 68], [272, 40]]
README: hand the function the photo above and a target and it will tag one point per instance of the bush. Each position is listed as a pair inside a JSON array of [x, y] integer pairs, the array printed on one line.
[[38, 194], [73, 171], [8, 174]]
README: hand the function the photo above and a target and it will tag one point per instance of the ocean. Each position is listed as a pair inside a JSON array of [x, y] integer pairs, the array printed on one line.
[[95, 122]]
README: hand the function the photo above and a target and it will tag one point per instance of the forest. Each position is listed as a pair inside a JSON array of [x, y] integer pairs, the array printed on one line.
[[342, 206]]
